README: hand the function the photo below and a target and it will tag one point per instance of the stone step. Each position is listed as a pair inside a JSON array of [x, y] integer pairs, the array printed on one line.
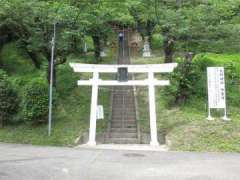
[[123, 135], [116, 121], [124, 130], [123, 114], [132, 122], [124, 111], [123, 102], [123, 121], [127, 100], [128, 116], [120, 103], [124, 126], [123, 118], [122, 141], [129, 107], [123, 97], [124, 107]]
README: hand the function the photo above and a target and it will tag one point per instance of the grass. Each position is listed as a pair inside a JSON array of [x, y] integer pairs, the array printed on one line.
[[186, 127], [156, 58], [197, 134], [72, 110]]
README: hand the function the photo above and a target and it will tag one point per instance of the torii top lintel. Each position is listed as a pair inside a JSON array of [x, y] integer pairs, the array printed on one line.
[[155, 68]]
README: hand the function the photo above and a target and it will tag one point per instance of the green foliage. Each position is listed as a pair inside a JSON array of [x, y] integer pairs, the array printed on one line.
[[157, 41], [196, 26], [183, 82], [15, 60], [35, 101], [70, 113], [191, 25], [8, 99], [231, 64], [189, 79]]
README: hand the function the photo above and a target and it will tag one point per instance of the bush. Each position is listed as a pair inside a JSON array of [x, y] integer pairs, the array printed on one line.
[[231, 64], [35, 101], [157, 41], [8, 99], [190, 78], [183, 82]]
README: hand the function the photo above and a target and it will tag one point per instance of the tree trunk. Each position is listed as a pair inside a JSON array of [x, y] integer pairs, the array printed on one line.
[[1, 61], [97, 48], [34, 58], [74, 42], [168, 49], [2, 119], [3, 40], [149, 28]]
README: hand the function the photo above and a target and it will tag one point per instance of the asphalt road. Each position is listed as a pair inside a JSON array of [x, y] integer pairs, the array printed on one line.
[[20, 162]]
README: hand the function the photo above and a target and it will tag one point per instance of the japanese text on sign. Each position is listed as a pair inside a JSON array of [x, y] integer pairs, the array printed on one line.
[[216, 87]]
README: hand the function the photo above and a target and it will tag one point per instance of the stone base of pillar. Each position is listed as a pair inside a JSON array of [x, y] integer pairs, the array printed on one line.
[[91, 143], [154, 143]]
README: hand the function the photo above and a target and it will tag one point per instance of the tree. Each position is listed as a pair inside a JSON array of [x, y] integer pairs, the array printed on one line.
[[190, 25], [13, 27], [8, 99], [98, 17], [35, 30], [142, 12]]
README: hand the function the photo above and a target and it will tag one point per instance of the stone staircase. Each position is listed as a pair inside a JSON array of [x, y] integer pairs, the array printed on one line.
[[123, 127]]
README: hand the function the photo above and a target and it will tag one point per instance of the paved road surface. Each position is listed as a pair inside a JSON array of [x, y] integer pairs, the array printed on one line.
[[21, 162]]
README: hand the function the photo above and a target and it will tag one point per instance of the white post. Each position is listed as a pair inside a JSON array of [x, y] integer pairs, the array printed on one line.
[[210, 118], [152, 109], [225, 118], [93, 116]]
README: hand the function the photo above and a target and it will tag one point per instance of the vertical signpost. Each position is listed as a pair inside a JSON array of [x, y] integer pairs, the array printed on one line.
[[51, 82], [216, 91]]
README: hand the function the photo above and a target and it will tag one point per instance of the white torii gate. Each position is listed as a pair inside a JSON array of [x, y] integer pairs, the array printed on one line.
[[151, 82]]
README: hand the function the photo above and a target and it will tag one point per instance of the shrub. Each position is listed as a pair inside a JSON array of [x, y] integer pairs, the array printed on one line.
[[35, 101], [183, 81], [8, 99], [190, 78], [157, 41], [231, 64]]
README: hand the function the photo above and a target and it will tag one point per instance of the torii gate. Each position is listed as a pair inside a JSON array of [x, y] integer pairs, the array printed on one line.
[[151, 82]]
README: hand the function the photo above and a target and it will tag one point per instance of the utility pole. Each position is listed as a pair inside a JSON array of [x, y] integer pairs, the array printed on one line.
[[51, 81]]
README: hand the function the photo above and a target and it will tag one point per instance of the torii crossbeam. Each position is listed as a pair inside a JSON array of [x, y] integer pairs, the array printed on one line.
[[151, 82]]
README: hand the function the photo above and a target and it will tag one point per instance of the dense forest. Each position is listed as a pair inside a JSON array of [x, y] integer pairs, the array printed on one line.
[[194, 33], [196, 26]]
